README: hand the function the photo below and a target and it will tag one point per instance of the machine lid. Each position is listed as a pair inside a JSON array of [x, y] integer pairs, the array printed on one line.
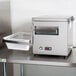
[[53, 18]]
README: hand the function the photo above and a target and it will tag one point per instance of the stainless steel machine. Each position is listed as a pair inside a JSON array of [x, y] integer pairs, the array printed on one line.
[[52, 35]]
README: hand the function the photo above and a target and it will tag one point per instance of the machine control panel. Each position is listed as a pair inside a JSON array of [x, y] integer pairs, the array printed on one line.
[[45, 48], [48, 48]]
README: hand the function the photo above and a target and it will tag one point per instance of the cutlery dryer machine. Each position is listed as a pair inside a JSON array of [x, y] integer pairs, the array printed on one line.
[[52, 35]]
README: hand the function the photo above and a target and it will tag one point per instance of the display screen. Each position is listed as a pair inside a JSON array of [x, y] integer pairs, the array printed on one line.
[[48, 48]]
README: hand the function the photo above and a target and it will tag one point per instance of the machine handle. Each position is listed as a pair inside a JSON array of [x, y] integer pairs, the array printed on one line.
[[16, 42]]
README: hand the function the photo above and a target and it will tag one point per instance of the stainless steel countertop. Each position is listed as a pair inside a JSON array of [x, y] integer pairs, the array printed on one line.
[[16, 56]]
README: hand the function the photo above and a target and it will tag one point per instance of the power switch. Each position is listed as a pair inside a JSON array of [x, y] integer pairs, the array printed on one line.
[[41, 48]]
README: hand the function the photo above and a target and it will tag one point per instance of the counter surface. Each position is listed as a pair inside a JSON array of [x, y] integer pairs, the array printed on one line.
[[16, 56]]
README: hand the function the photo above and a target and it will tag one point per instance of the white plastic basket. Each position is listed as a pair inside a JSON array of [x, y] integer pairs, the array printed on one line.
[[18, 41]]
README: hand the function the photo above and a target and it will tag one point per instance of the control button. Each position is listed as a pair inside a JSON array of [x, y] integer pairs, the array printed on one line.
[[41, 48], [50, 48]]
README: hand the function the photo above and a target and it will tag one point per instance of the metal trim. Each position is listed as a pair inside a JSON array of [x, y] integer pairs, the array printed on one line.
[[16, 42]]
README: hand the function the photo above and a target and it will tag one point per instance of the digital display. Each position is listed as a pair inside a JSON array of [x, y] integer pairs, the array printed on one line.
[[48, 48]]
